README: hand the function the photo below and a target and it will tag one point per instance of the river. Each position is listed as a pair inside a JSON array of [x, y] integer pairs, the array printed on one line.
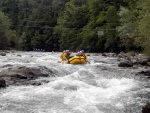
[[97, 87]]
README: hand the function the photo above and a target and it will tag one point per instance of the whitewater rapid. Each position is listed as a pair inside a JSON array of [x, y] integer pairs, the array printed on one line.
[[97, 87]]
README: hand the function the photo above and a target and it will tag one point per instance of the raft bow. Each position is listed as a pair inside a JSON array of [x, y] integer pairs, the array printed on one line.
[[75, 60]]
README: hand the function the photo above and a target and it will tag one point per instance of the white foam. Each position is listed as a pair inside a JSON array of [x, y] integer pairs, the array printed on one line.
[[78, 88]]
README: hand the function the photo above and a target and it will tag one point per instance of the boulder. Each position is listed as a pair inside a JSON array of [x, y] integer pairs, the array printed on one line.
[[2, 83], [19, 55], [146, 108], [142, 62], [3, 54], [23, 75], [148, 59], [122, 55], [125, 64], [145, 72], [7, 65]]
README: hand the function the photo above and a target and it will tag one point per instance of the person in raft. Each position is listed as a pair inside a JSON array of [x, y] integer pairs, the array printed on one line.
[[82, 53], [65, 55]]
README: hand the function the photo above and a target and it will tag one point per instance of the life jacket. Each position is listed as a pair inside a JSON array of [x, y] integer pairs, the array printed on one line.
[[68, 54], [65, 55], [82, 54]]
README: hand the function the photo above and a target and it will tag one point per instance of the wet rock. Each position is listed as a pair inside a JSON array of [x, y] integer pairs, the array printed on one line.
[[44, 81], [19, 55], [3, 54], [146, 108], [36, 83], [140, 59], [8, 65], [125, 64], [148, 64], [103, 54], [122, 55], [145, 72], [109, 54], [101, 67], [136, 60], [22, 75], [148, 59], [2, 83], [95, 54], [142, 62]]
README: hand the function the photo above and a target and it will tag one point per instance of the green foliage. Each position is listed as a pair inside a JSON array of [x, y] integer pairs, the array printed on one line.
[[110, 29], [54, 25], [103, 17], [144, 25], [39, 22], [89, 37], [70, 23], [128, 28], [25, 10], [134, 28], [12, 39], [96, 17], [7, 37], [39, 28], [10, 7]]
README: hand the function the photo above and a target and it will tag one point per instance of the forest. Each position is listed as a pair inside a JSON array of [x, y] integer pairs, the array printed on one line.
[[92, 25]]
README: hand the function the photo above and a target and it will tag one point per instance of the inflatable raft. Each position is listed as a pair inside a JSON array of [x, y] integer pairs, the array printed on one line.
[[75, 60]]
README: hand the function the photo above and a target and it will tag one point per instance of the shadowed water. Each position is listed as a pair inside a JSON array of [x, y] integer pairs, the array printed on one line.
[[97, 87]]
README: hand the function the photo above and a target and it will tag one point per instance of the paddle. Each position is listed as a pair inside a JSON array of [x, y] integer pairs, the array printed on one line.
[[63, 62]]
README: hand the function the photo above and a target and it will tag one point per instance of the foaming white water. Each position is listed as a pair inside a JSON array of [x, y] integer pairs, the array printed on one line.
[[75, 94], [76, 88]]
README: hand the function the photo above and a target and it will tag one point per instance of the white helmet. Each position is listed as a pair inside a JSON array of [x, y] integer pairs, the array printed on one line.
[[67, 50]]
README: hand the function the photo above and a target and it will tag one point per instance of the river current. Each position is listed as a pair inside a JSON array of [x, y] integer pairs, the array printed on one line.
[[97, 87]]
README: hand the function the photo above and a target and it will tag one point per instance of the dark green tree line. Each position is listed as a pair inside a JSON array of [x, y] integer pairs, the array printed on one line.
[[70, 23], [54, 25], [7, 36]]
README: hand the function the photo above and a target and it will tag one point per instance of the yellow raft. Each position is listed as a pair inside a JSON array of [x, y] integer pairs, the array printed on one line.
[[75, 60]]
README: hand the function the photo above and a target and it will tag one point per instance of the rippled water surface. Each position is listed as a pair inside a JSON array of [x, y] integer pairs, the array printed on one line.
[[97, 87]]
